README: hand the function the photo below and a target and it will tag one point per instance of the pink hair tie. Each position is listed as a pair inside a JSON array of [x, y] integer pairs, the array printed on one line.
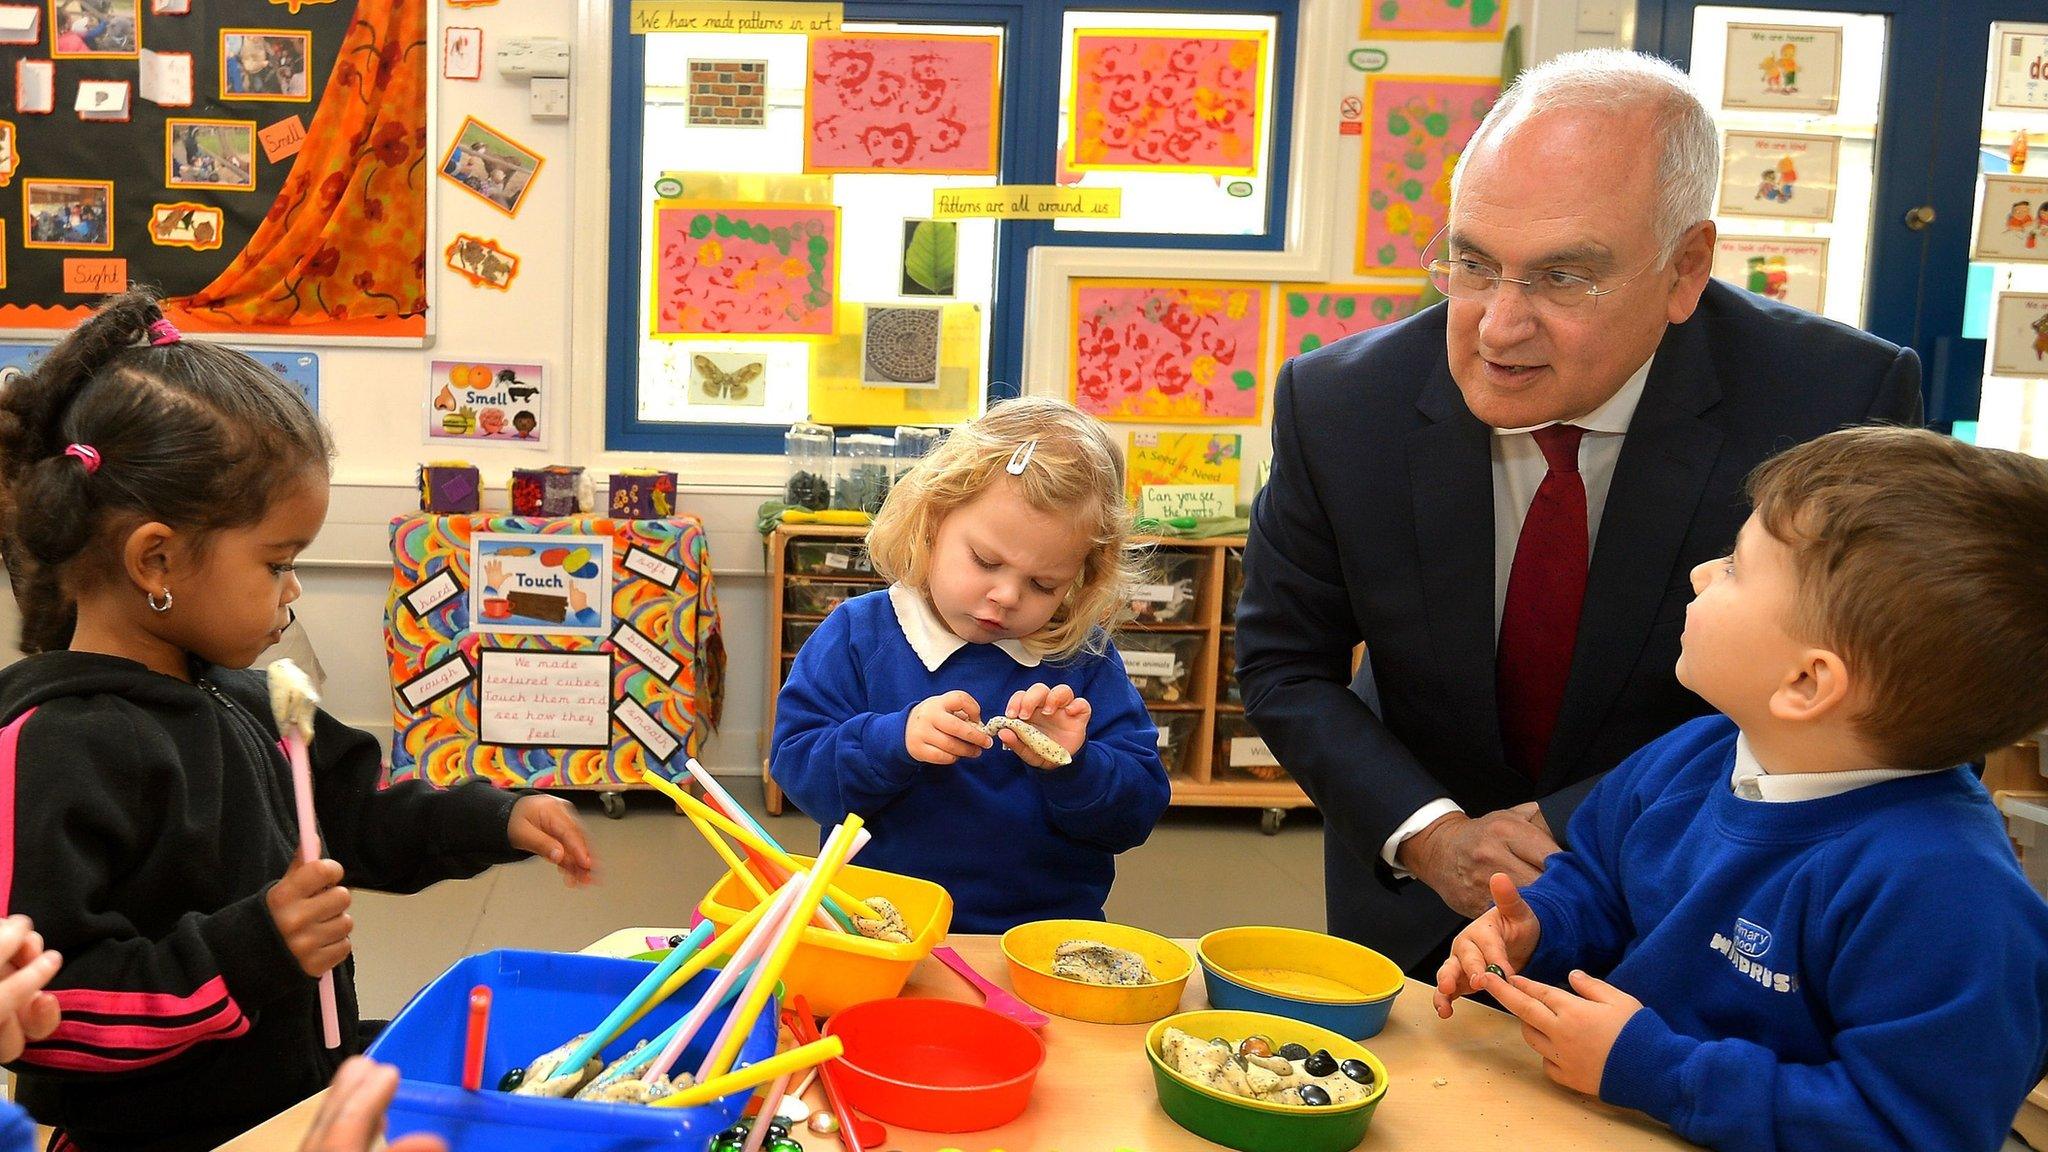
[[87, 455], [162, 332]]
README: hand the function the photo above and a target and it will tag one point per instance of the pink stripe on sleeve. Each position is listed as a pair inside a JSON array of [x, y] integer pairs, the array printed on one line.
[[10, 740], [143, 1035], [84, 1062], [206, 996]]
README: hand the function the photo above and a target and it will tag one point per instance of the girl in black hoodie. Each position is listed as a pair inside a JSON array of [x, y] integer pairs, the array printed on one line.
[[154, 493]]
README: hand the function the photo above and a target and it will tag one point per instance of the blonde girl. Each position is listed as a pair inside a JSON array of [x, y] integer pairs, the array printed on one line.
[[1009, 553]]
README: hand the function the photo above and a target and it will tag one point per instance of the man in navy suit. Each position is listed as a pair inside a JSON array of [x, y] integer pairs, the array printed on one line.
[[1502, 496]]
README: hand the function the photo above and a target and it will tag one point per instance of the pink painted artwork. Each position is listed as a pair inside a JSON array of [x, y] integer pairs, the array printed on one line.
[[1166, 102], [1174, 351], [1415, 128], [1433, 19], [745, 269], [893, 102], [1312, 315]]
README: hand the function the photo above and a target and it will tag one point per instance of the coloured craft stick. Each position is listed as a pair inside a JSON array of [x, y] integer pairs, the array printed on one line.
[[724, 824], [769, 1103], [846, 839], [755, 1075], [733, 863], [723, 943], [473, 1041], [642, 997], [626, 1069], [747, 957], [715, 793]]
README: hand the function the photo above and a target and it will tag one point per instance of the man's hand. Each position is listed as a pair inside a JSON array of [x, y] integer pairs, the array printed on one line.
[[1457, 854], [1504, 937], [352, 1116], [1572, 1033]]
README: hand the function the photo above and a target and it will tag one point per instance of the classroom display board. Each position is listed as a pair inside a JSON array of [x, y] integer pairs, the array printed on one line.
[[564, 652], [264, 165]]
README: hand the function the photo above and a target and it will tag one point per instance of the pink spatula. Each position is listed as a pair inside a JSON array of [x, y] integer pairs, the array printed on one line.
[[996, 1000]]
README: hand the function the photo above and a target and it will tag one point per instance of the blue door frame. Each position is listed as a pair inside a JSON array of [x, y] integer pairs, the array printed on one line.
[[1032, 31], [1931, 112]]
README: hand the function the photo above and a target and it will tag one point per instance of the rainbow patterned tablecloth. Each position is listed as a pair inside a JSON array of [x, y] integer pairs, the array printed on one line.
[[439, 740]]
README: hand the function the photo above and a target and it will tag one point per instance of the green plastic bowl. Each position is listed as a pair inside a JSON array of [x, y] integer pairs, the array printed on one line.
[[1255, 1125]]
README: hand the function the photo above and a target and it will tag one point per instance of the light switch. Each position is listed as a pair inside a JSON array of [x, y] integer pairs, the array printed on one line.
[[1599, 16], [548, 98]]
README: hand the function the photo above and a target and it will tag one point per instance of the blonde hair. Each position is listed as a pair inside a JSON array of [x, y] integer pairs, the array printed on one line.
[[1074, 471]]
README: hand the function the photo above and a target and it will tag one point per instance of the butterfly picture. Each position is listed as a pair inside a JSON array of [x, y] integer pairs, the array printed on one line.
[[722, 384]]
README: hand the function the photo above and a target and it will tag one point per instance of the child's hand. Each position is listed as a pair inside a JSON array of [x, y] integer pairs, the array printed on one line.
[[946, 729], [1573, 1034], [27, 1013], [547, 827], [1504, 935], [310, 908], [352, 1116], [1057, 712]]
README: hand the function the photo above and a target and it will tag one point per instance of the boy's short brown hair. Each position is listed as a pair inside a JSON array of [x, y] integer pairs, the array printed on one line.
[[1923, 562]]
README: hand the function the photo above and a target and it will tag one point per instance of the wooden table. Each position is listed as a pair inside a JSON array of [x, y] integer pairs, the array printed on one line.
[[1466, 1082]]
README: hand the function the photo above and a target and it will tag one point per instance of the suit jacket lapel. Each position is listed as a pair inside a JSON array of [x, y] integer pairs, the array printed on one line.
[[1450, 477], [1666, 460]]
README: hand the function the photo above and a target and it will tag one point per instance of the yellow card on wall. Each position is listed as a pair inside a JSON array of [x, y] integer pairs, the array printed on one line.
[[1027, 202], [1165, 458], [695, 16], [839, 367]]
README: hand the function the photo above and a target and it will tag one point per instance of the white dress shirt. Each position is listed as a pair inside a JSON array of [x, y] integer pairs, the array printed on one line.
[[1518, 470], [931, 639], [1752, 781]]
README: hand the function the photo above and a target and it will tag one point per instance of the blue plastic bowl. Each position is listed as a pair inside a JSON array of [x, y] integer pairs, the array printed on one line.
[[1238, 966], [538, 1001]]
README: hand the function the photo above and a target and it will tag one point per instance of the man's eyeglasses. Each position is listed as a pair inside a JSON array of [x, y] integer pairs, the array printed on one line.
[[1462, 278]]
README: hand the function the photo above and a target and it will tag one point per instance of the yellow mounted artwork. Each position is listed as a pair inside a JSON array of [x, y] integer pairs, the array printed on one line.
[[1415, 129], [1155, 458], [1178, 351], [1166, 100]]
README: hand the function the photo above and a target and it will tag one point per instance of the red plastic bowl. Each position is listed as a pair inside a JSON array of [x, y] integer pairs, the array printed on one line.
[[935, 1065]]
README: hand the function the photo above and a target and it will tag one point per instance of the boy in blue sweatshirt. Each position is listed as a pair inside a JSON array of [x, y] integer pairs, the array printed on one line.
[[1812, 927]]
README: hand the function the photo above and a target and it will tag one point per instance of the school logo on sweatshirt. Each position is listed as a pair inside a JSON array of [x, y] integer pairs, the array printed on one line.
[[1745, 948]]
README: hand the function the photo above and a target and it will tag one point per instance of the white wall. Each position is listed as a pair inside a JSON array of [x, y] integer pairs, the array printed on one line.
[[554, 313]]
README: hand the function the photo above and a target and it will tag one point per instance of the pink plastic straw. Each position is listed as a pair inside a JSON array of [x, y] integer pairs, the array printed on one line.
[[749, 950], [761, 973], [769, 1104], [309, 851]]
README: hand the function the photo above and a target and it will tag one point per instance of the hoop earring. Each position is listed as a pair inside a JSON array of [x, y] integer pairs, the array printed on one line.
[[156, 607]]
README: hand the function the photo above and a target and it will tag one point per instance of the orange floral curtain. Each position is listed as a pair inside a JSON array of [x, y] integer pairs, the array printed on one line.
[[346, 238]]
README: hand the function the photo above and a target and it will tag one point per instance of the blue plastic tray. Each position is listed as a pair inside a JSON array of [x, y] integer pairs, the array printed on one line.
[[538, 1001]]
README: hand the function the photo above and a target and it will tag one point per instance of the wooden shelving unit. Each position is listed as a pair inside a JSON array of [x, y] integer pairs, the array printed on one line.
[[1200, 763]]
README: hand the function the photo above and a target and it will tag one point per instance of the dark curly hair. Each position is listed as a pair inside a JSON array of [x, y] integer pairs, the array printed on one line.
[[190, 434]]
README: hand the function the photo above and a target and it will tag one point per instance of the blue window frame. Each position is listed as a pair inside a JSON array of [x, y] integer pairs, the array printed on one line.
[[1032, 47]]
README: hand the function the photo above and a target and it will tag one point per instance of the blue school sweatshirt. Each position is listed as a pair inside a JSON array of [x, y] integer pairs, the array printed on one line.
[[1011, 842], [1867, 970]]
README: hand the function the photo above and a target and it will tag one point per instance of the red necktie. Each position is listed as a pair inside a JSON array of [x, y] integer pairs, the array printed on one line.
[[1546, 587]]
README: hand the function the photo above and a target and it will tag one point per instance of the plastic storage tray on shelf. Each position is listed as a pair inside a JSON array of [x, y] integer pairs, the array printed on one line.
[[1233, 582], [1241, 755], [829, 558], [817, 597], [795, 632], [1226, 672], [1161, 664], [1176, 739], [1167, 595]]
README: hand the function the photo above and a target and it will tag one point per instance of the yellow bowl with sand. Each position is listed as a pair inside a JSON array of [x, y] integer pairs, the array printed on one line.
[[1028, 948], [1323, 980]]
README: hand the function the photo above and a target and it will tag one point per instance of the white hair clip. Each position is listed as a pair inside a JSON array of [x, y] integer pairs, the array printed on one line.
[[1021, 457]]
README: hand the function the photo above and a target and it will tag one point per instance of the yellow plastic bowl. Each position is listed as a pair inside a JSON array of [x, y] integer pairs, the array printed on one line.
[[1340, 985], [834, 970], [1029, 948]]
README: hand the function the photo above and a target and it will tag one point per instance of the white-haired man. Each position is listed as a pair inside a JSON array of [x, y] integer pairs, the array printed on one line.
[[1502, 497]]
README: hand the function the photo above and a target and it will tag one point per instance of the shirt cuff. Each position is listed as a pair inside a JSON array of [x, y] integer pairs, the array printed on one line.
[[1424, 816]]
